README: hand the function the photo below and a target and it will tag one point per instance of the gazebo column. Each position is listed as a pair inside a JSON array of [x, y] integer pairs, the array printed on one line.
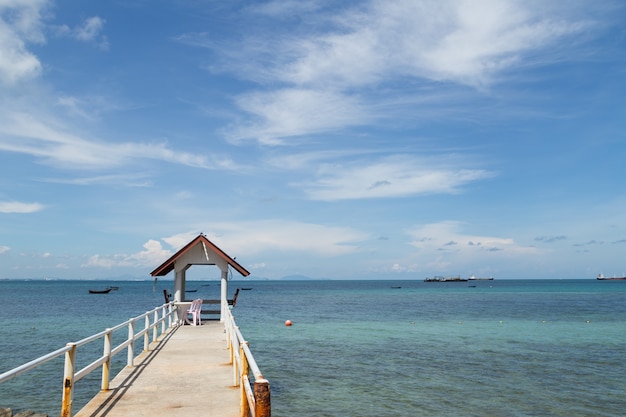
[[224, 296], [179, 284]]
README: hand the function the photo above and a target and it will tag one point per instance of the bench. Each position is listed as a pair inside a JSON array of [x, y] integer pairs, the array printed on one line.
[[231, 302]]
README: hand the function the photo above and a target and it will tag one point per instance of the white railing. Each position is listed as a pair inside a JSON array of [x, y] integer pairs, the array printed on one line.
[[255, 401], [167, 319]]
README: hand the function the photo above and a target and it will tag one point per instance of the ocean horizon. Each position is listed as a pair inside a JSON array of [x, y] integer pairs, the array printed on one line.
[[363, 347]]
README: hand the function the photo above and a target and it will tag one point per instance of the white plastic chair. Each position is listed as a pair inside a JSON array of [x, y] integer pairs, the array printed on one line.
[[195, 309]]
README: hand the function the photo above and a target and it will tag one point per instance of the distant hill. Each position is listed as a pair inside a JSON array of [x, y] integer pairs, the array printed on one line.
[[296, 278]]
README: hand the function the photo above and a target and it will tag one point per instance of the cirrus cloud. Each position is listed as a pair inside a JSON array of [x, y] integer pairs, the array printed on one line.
[[394, 176]]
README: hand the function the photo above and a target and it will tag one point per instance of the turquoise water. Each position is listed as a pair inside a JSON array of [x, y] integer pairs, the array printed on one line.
[[363, 348]]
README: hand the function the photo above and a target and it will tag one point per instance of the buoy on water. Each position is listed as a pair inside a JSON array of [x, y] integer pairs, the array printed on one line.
[[288, 323]]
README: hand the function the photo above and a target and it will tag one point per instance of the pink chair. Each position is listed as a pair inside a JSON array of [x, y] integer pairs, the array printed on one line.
[[195, 309]]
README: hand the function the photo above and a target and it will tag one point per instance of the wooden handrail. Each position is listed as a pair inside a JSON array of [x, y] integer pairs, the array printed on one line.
[[255, 401]]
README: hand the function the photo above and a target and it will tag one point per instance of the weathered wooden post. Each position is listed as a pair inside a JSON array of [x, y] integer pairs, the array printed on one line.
[[262, 406], [68, 381]]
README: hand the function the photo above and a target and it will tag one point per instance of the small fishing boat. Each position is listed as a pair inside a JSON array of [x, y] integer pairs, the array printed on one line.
[[106, 291], [196, 290]]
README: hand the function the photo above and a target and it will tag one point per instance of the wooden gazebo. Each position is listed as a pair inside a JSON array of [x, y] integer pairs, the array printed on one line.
[[200, 251]]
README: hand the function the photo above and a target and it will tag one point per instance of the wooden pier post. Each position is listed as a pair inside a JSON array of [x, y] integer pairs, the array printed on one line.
[[262, 407]]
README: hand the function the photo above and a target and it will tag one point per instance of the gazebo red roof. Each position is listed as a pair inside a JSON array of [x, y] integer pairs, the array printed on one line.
[[167, 266]]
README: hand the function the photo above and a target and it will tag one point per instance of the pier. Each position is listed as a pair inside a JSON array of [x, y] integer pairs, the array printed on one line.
[[183, 370], [186, 368], [188, 374]]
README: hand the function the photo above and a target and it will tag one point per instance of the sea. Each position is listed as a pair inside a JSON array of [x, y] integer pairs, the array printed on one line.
[[362, 347]]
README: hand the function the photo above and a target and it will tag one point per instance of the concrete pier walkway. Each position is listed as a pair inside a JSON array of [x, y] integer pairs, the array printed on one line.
[[188, 375]]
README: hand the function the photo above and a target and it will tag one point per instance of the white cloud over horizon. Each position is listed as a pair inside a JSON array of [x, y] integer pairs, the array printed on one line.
[[447, 235]]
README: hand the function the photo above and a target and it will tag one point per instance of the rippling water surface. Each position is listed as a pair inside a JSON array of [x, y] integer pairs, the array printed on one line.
[[365, 348]]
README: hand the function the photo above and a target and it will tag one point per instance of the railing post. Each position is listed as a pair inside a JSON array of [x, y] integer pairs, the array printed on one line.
[[242, 367], [68, 381], [232, 345], [106, 366], [130, 357], [163, 317], [146, 335], [229, 343], [262, 406], [245, 407], [243, 371], [155, 328]]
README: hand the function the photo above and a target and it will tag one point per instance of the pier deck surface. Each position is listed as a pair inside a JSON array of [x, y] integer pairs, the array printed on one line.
[[188, 374]]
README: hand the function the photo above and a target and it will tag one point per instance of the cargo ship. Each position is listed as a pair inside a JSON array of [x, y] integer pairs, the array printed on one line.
[[439, 278], [603, 278], [474, 278]]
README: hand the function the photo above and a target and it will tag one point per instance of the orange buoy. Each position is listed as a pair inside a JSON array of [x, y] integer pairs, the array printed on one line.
[[288, 323]]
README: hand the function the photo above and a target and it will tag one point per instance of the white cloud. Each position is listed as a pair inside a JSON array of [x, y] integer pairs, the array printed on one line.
[[90, 107], [395, 176], [4, 249], [267, 236], [444, 248], [127, 180], [89, 31], [285, 8], [179, 240], [372, 45], [467, 42], [19, 207], [264, 237], [153, 254], [297, 112], [447, 237], [20, 24], [23, 133], [487, 37], [303, 160], [103, 262]]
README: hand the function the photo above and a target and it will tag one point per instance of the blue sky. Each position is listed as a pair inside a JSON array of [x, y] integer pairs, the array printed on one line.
[[357, 140]]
